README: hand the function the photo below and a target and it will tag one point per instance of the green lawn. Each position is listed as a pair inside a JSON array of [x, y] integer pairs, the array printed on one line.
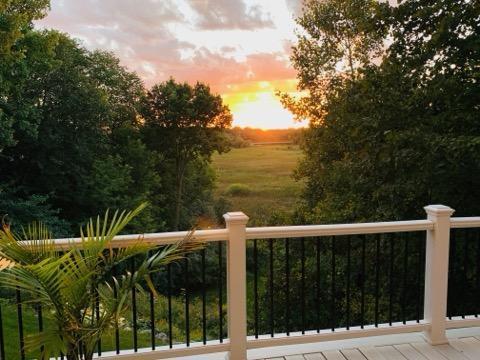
[[267, 171]]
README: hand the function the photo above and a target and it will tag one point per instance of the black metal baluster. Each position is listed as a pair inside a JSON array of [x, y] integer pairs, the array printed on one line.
[[451, 276], [134, 308], [405, 278], [204, 300], [318, 282], [169, 298], [187, 303], [255, 288], [152, 315], [420, 268], [466, 240], [332, 295], [390, 281], [287, 286], [270, 281], [477, 272], [220, 292], [18, 298], [348, 272], [80, 349], [363, 275], [40, 324], [302, 279], [97, 316], [117, 331], [2, 341], [377, 277]]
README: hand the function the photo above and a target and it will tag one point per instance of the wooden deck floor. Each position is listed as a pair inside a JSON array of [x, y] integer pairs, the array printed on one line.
[[465, 348]]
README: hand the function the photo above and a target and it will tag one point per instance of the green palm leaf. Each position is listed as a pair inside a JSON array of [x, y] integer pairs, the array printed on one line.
[[68, 283]]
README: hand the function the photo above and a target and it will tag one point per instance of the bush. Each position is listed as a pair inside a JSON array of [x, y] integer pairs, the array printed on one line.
[[238, 190]]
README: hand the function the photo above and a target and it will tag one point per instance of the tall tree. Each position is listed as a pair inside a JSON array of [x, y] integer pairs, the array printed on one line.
[[185, 124], [337, 39]]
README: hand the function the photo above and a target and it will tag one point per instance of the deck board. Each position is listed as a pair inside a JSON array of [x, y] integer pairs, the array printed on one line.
[[409, 352], [353, 354], [314, 356], [333, 355], [371, 353], [463, 348], [467, 348]]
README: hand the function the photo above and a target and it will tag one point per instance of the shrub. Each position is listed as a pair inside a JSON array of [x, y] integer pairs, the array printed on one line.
[[238, 190]]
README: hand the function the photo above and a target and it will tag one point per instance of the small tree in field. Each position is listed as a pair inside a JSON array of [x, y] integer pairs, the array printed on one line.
[[184, 123]]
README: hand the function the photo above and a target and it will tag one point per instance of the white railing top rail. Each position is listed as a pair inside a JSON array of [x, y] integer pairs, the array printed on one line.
[[271, 232], [465, 222], [165, 238], [338, 229]]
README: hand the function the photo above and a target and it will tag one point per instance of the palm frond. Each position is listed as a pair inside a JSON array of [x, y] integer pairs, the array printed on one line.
[[51, 340], [34, 245]]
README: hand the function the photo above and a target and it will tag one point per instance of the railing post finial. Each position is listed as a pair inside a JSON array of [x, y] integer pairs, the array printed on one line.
[[436, 273]]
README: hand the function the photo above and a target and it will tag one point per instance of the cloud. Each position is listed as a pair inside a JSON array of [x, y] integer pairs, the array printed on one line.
[[146, 40], [295, 6], [228, 14], [223, 72]]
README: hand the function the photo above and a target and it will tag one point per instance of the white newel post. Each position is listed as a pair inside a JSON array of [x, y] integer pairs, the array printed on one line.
[[436, 273], [236, 223]]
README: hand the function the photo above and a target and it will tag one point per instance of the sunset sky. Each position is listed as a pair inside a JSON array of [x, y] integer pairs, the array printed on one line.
[[240, 47]]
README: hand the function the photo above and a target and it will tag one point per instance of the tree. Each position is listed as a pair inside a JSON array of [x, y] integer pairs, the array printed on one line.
[[15, 21], [184, 124], [386, 136], [337, 39]]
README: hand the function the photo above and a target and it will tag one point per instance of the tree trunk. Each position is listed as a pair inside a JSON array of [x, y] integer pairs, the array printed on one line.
[[77, 351]]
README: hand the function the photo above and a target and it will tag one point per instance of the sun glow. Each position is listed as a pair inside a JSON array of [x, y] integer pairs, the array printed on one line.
[[256, 105]]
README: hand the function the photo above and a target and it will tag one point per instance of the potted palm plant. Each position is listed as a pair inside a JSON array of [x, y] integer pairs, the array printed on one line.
[[70, 283]]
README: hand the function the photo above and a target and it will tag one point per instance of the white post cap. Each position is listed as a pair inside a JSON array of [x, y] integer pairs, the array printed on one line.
[[439, 210], [236, 218]]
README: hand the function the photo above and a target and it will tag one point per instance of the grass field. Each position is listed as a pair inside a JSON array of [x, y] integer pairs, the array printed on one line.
[[265, 172]]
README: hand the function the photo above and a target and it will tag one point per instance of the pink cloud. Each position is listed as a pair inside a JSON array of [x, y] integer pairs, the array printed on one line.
[[141, 36]]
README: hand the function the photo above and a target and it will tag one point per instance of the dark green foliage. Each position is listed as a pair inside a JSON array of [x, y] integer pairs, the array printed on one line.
[[72, 140], [402, 134]]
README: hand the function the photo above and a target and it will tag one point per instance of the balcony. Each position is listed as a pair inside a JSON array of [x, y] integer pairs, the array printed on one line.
[[354, 291]]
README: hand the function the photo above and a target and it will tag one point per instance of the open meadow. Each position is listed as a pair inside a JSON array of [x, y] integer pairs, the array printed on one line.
[[259, 180]]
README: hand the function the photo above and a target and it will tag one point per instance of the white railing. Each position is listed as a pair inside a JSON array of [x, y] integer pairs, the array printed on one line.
[[434, 324]]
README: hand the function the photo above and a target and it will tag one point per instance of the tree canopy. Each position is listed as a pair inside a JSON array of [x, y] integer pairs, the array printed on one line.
[[185, 123], [403, 132]]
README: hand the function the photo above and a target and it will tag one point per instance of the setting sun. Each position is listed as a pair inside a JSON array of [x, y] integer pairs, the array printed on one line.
[[257, 105]]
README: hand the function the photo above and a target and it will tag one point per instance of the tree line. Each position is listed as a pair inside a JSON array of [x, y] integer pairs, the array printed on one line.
[[244, 137], [80, 133]]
